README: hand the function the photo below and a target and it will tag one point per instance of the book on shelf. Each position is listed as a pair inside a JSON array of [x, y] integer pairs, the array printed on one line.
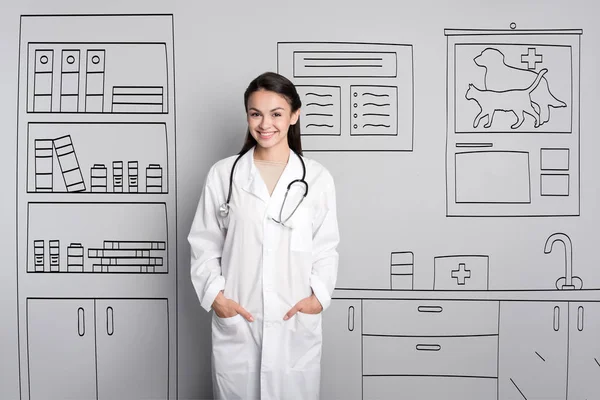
[[69, 165], [43, 165]]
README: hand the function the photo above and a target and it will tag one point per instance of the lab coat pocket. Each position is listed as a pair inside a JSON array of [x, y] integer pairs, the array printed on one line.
[[228, 321], [312, 322], [301, 235], [230, 342], [307, 338], [235, 359], [228, 333]]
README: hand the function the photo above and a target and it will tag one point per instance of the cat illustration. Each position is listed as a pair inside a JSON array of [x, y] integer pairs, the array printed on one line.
[[517, 101], [499, 77]]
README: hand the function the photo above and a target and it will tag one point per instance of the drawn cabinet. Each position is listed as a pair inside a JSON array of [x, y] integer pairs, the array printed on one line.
[[584, 351], [95, 209], [430, 349], [341, 364], [533, 350], [132, 343], [82, 355], [61, 347]]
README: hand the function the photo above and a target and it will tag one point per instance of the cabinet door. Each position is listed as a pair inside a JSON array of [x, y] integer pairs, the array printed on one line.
[[62, 360], [341, 369], [132, 349], [533, 350], [584, 351]]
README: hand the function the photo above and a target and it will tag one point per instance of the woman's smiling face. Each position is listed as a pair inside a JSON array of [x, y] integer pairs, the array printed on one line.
[[269, 117]]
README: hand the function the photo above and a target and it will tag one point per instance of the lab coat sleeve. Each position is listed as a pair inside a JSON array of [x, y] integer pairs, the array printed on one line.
[[325, 241], [206, 240]]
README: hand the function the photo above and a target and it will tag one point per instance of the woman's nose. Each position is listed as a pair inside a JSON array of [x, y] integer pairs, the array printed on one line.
[[265, 122]]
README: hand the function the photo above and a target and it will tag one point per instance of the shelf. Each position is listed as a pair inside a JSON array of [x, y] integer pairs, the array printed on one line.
[[97, 238], [55, 285], [60, 198], [97, 158]]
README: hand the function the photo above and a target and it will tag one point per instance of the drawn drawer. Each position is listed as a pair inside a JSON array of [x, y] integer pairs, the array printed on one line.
[[428, 388], [430, 317], [474, 356]]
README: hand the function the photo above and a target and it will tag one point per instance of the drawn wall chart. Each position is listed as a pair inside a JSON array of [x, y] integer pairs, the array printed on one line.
[[96, 207], [355, 96], [513, 122]]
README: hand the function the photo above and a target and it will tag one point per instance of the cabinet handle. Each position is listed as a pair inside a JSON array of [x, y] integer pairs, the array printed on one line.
[[81, 321], [580, 318], [110, 321], [429, 347], [556, 321], [430, 309], [351, 318]]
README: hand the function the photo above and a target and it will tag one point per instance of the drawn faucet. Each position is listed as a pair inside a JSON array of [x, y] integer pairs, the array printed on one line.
[[568, 281]]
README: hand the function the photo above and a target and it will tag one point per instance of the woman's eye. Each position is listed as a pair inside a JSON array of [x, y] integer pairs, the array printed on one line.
[[254, 114], [277, 115]]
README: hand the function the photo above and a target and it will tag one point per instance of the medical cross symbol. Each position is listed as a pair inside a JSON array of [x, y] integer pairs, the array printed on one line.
[[531, 58], [461, 274]]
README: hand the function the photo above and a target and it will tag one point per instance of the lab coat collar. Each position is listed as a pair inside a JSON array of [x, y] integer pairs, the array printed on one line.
[[250, 180]]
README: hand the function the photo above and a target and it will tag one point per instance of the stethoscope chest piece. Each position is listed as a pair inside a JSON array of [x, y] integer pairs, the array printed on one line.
[[224, 210]]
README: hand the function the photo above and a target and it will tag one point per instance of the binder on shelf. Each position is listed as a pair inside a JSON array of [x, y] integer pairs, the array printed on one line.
[[132, 174], [43, 165], [69, 85], [94, 81], [69, 165], [117, 176], [43, 80], [154, 178], [98, 178], [54, 251]]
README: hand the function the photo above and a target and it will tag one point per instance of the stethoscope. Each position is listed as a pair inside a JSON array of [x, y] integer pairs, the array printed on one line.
[[225, 207]]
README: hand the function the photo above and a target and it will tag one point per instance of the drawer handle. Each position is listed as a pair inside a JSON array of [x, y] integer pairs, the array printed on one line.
[[556, 319], [430, 309], [81, 321], [580, 319], [429, 347], [110, 321]]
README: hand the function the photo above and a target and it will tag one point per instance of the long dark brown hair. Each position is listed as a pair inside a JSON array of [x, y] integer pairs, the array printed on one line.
[[279, 84]]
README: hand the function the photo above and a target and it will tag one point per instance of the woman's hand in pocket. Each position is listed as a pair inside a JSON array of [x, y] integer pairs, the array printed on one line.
[[308, 305], [227, 308]]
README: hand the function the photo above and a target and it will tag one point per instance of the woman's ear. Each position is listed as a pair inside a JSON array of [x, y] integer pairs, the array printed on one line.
[[295, 116]]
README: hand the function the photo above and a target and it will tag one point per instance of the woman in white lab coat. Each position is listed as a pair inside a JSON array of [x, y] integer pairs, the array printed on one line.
[[267, 282]]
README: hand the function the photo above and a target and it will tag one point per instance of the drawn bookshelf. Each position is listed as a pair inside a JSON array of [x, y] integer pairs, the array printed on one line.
[[96, 205]]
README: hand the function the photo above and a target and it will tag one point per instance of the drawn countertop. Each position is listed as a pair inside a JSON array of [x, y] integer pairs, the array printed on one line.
[[492, 295]]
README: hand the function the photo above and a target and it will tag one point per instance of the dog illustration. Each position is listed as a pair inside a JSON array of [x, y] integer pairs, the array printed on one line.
[[517, 101], [501, 77]]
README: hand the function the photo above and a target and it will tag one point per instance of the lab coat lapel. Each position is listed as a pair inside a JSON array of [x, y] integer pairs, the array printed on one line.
[[250, 179], [292, 171]]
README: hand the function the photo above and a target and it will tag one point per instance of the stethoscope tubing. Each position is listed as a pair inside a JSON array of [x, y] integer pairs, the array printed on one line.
[[224, 209]]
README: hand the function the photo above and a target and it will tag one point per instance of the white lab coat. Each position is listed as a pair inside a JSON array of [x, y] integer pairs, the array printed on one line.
[[267, 268]]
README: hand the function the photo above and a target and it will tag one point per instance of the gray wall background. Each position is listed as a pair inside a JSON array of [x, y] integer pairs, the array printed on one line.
[[387, 201]]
